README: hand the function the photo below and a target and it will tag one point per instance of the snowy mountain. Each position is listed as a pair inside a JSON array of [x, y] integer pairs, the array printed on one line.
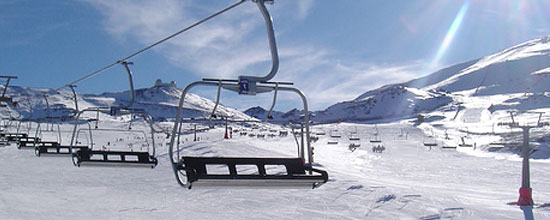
[[517, 70], [258, 112], [500, 78], [160, 101]]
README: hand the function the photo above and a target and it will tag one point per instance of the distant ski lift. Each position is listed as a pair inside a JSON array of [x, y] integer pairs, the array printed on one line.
[[334, 133], [353, 136], [465, 142], [332, 142], [4, 124], [104, 155], [10, 123], [429, 140], [26, 142], [14, 136], [376, 138], [23, 138], [46, 146], [447, 146], [43, 131], [193, 172]]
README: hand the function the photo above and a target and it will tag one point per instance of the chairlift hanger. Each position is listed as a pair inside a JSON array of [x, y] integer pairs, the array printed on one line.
[[3, 97], [85, 157], [268, 114], [191, 172]]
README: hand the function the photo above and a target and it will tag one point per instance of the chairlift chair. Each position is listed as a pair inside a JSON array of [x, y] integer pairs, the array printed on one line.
[[376, 139], [57, 148], [92, 156], [8, 135], [430, 141], [354, 137], [334, 133], [463, 143], [19, 132], [24, 140], [446, 146], [47, 147], [192, 172], [37, 140]]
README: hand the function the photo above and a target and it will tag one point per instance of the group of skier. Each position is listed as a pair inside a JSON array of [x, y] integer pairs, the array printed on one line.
[[378, 148]]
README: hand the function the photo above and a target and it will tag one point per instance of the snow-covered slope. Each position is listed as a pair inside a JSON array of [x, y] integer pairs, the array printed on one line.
[[406, 181], [509, 71], [394, 101]]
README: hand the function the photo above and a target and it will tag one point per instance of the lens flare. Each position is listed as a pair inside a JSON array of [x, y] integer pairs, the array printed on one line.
[[451, 33]]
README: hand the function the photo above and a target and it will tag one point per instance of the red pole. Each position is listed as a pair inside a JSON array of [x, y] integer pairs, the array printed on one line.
[[525, 192], [226, 136]]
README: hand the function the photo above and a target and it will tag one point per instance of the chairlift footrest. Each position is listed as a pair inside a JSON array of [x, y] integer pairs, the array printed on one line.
[[57, 150], [13, 137], [296, 175], [31, 142], [114, 158]]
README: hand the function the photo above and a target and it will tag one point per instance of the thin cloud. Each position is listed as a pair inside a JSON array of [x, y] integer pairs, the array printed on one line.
[[327, 80], [213, 47], [346, 81], [235, 44], [303, 8]]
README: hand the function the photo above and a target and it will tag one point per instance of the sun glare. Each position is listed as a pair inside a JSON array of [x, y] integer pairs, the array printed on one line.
[[450, 33]]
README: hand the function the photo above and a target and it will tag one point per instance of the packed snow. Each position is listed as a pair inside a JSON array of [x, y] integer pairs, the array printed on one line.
[[406, 181]]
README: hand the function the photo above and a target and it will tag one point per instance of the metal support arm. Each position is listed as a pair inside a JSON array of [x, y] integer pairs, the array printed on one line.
[[178, 118]]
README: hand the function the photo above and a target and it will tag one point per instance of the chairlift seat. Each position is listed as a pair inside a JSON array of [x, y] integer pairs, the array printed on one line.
[[448, 147], [56, 150], [28, 142], [354, 139], [375, 141], [430, 144], [295, 176], [13, 137], [85, 157]]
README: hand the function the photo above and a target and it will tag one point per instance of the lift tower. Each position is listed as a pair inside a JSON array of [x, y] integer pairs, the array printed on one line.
[[525, 192]]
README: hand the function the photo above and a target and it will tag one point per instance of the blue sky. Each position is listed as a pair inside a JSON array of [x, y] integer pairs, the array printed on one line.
[[332, 50]]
